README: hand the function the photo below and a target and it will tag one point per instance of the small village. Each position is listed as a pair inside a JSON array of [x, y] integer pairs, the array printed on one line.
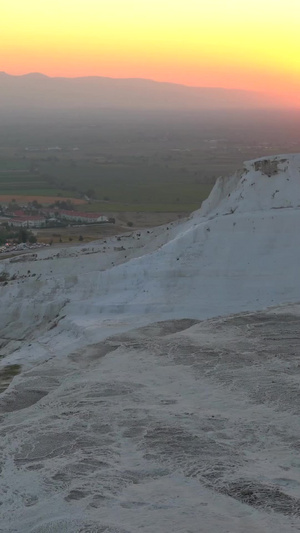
[[34, 215], [19, 224]]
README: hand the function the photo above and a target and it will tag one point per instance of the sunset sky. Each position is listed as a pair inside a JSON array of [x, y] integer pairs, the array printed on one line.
[[223, 43]]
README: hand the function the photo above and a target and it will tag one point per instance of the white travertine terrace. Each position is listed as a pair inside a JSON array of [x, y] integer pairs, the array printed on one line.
[[120, 423]]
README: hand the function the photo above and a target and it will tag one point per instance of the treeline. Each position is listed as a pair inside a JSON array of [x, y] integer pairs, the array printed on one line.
[[18, 236], [67, 205]]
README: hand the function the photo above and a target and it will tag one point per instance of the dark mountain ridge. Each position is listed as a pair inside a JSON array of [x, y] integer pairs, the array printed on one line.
[[37, 90]]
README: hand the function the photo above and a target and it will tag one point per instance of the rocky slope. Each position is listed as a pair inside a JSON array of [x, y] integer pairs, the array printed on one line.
[[143, 402]]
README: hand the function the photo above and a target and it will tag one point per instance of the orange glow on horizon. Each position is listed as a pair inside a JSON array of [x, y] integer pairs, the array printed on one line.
[[218, 44]]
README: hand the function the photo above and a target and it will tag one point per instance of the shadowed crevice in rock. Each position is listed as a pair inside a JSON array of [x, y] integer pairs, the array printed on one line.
[[264, 497]]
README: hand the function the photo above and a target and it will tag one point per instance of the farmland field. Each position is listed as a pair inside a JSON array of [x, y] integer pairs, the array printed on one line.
[[149, 162], [20, 178], [130, 184], [24, 198]]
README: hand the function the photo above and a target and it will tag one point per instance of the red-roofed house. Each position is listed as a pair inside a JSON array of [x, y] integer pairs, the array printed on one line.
[[77, 216], [27, 221]]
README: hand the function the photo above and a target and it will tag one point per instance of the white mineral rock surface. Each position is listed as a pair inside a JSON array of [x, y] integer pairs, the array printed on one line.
[[157, 392]]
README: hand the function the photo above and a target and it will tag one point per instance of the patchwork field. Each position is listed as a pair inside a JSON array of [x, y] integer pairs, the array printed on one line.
[[24, 198], [130, 185]]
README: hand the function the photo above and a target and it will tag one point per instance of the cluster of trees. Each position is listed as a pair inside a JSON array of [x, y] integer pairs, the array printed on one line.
[[80, 238], [30, 209], [35, 204], [64, 204], [16, 235]]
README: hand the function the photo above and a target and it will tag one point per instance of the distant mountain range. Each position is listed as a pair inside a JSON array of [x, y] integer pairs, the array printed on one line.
[[40, 91]]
